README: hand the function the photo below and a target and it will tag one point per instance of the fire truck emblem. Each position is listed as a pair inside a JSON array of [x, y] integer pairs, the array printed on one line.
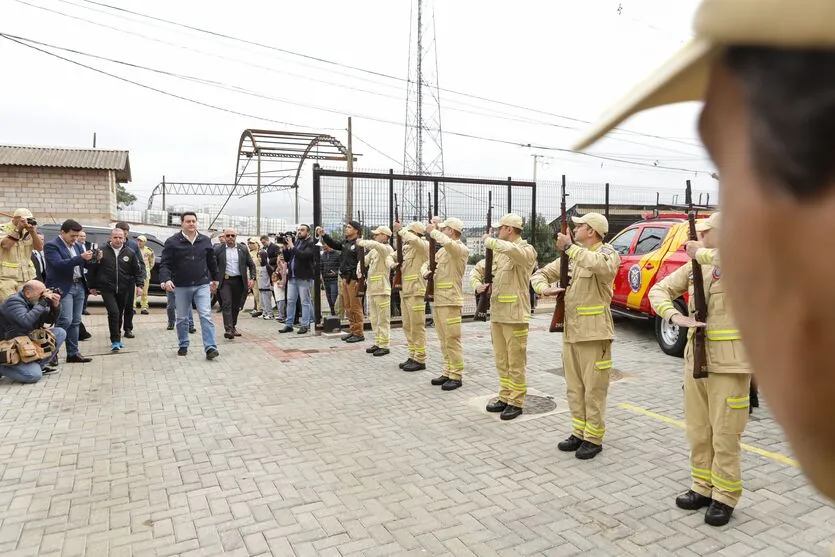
[[634, 278]]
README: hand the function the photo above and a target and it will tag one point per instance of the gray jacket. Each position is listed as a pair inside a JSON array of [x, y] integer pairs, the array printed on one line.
[[19, 318]]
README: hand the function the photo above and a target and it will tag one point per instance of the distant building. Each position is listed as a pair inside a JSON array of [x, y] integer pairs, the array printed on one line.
[[57, 184]]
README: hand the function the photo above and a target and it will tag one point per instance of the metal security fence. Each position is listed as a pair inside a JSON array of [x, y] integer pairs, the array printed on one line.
[[369, 197]]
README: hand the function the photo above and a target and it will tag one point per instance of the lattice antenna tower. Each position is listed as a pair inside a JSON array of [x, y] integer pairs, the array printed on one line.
[[423, 152]]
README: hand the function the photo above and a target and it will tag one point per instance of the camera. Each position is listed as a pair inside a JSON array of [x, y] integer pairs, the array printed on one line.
[[57, 290], [31, 222]]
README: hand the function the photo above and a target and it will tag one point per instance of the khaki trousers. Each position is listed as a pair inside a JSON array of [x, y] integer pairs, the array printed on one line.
[[143, 301], [380, 309], [414, 326], [9, 287], [256, 302], [448, 327], [352, 305], [715, 412], [586, 366], [510, 349]]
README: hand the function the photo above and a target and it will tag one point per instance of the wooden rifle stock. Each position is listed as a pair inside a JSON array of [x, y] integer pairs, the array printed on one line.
[[430, 282], [362, 285], [398, 274], [699, 300], [483, 299], [558, 318]]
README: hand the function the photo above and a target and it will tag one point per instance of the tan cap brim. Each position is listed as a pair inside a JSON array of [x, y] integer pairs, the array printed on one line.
[[683, 78]]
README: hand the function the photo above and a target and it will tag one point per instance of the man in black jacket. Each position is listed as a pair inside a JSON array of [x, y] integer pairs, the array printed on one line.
[[233, 262], [348, 275], [189, 269], [118, 277], [301, 257], [20, 315], [133, 246]]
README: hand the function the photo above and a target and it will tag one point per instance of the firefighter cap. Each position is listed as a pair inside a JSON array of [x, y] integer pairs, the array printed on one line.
[[25, 213], [382, 230], [719, 24], [511, 219], [708, 224], [417, 227], [142, 238], [455, 224], [597, 222]]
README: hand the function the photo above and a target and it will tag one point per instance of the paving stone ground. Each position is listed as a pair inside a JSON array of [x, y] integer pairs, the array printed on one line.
[[291, 445]]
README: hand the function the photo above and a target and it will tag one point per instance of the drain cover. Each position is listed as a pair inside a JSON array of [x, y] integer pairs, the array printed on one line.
[[614, 374]]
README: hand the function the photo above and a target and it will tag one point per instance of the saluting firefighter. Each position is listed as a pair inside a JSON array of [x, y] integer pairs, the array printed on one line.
[[450, 263], [715, 408], [379, 260], [412, 291], [510, 311], [588, 333]]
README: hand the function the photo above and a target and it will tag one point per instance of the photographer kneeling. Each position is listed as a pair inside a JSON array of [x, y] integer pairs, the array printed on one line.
[[25, 345]]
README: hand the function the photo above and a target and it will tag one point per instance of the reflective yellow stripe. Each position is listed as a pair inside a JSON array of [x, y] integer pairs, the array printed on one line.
[[603, 364], [700, 473], [410, 277], [457, 365], [735, 403], [443, 284], [507, 298], [722, 483], [727, 334], [578, 423], [453, 320], [664, 306], [513, 386], [520, 333], [421, 307], [384, 304], [594, 431], [590, 310], [9, 264]]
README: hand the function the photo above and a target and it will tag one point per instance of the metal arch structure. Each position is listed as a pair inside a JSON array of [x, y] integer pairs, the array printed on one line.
[[204, 188], [277, 149]]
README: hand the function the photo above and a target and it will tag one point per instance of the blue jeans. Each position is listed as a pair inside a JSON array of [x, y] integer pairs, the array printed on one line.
[[72, 304], [172, 311], [33, 371], [298, 288], [332, 293], [202, 297]]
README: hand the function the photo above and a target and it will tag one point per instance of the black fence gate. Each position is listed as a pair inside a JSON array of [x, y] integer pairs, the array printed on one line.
[[368, 197]]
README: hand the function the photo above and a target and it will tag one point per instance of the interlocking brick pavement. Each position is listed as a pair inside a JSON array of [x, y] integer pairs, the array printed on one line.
[[302, 445]]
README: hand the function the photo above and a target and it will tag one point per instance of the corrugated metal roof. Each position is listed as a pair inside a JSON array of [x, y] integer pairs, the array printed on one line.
[[96, 159]]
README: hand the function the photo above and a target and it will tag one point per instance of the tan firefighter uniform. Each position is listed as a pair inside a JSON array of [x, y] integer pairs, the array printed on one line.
[[148, 256], [510, 310], [16, 266], [379, 259], [413, 289], [256, 297], [451, 261], [715, 408], [587, 340]]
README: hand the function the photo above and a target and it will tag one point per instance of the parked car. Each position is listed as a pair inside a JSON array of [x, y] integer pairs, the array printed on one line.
[[99, 235], [650, 250]]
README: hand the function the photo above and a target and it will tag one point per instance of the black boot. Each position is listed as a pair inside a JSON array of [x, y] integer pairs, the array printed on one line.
[[692, 501], [570, 445], [414, 366], [443, 379], [588, 450], [408, 361], [495, 406], [371, 349], [718, 514], [510, 412], [451, 385]]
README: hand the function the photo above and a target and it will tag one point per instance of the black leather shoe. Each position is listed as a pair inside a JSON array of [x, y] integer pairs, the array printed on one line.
[[401, 365], [570, 445], [371, 349], [182, 351], [235, 332], [212, 353], [443, 379], [192, 330], [381, 352], [510, 412], [85, 312], [718, 514], [229, 335], [346, 337], [85, 336], [588, 450], [692, 501], [451, 385], [129, 334], [414, 366], [302, 331], [78, 359], [355, 338], [170, 326], [286, 329], [494, 406]]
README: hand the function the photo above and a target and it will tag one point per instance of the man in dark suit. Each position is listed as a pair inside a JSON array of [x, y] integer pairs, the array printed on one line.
[[39, 261], [233, 262], [66, 260]]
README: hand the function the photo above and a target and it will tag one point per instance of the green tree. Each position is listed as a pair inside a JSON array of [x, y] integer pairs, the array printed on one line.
[[546, 249], [474, 258], [124, 198]]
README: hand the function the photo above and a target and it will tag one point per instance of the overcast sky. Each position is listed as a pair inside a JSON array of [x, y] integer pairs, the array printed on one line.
[[569, 58]]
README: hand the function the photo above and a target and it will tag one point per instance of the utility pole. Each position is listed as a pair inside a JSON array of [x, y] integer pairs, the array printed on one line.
[[349, 191], [535, 165], [258, 198], [94, 140]]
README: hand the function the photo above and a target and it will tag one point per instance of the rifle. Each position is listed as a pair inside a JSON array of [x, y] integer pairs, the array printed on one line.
[[398, 274], [558, 319], [362, 285], [430, 282], [699, 300], [483, 299]]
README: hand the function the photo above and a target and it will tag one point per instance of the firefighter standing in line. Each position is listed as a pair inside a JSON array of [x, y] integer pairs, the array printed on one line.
[[451, 261], [715, 408], [510, 311], [412, 291], [252, 247], [18, 238], [588, 334], [148, 258], [379, 260]]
